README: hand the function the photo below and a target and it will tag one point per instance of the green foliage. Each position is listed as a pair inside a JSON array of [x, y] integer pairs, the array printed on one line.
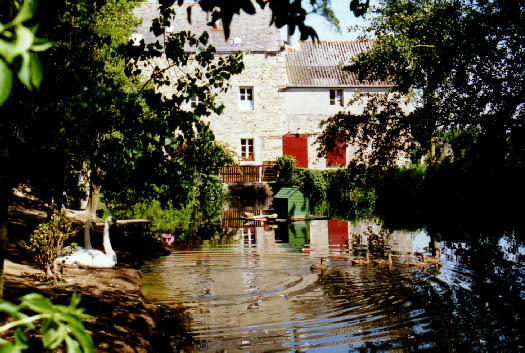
[[313, 184], [18, 45], [461, 63], [290, 13], [381, 133], [351, 191], [400, 192], [163, 216], [285, 168], [205, 206], [107, 113], [46, 242], [58, 323]]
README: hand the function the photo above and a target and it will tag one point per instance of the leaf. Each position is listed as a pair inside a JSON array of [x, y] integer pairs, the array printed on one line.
[[11, 309], [25, 13], [36, 70], [20, 339], [7, 51], [38, 303], [10, 348], [75, 300], [85, 340], [72, 345], [40, 44], [23, 64], [53, 338], [24, 39]]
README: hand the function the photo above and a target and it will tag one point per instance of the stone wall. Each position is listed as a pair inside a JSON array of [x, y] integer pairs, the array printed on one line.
[[277, 110], [266, 123]]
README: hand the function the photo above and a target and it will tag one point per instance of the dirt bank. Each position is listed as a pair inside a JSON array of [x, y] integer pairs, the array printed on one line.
[[123, 321]]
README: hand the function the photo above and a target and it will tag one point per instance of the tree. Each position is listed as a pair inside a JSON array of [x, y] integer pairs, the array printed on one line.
[[291, 13], [118, 127], [461, 62], [18, 45]]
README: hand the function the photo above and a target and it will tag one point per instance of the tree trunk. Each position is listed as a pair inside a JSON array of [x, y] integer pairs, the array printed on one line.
[[94, 192], [4, 203]]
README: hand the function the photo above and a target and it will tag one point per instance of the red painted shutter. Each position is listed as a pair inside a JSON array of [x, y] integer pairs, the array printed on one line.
[[296, 145], [337, 156], [337, 232]]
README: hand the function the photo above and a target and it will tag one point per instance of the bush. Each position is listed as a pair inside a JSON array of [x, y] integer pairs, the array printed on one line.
[[47, 242], [285, 168], [163, 217], [313, 185], [351, 191]]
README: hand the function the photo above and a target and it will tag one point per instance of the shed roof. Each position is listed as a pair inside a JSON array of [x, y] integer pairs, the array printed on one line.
[[247, 32], [320, 64], [285, 193]]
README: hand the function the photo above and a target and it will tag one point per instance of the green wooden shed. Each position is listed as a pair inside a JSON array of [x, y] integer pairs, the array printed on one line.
[[290, 203]]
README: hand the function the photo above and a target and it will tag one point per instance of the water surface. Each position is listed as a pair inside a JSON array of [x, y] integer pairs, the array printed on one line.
[[254, 291]]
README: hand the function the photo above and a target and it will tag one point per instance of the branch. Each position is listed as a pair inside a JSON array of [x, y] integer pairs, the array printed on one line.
[[24, 321]]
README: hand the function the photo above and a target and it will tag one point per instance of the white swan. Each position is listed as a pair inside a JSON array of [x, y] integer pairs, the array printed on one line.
[[89, 257], [68, 259]]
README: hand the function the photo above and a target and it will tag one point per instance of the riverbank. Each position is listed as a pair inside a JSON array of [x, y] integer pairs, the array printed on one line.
[[122, 321]]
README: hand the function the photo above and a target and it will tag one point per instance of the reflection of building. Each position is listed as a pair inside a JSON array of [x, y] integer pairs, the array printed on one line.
[[334, 236], [318, 236], [338, 233]]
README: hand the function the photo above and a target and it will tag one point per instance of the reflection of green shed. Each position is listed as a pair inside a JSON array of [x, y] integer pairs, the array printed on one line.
[[291, 203], [295, 234]]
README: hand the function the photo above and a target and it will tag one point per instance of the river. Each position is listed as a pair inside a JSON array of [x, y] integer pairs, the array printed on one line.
[[251, 289]]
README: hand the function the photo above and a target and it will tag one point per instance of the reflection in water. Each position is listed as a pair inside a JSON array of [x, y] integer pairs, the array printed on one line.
[[257, 293]]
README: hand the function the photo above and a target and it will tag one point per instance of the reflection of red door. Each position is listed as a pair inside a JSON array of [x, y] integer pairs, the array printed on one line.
[[296, 145], [337, 232]]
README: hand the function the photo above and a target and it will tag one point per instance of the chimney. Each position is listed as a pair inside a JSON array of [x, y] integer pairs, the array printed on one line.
[[291, 39]]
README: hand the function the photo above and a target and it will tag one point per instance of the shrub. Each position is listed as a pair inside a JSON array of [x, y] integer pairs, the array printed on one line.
[[47, 242], [285, 167], [313, 185], [351, 191]]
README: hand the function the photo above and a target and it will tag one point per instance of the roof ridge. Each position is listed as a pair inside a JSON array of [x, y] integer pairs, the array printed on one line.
[[336, 40]]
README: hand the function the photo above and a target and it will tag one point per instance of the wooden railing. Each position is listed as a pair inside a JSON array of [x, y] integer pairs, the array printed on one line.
[[265, 173], [234, 219]]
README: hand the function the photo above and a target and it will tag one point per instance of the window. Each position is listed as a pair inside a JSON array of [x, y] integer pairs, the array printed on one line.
[[246, 95], [247, 150], [195, 101], [336, 97]]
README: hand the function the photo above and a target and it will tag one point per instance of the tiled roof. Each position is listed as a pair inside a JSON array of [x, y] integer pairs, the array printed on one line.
[[319, 64], [247, 32]]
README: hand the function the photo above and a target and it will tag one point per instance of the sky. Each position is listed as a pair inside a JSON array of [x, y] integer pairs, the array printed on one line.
[[346, 18], [325, 31]]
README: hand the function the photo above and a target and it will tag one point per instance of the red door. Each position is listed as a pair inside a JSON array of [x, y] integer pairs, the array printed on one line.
[[296, 145], [337, 156]]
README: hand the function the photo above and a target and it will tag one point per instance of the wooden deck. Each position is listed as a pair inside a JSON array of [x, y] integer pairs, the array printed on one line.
[[265, 173]]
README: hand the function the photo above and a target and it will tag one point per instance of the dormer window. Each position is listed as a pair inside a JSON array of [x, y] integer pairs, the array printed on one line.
[[136, 38], [336, 97], [246, 98]]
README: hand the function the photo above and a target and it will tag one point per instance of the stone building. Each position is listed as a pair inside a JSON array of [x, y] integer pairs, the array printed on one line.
[[287, 88]]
